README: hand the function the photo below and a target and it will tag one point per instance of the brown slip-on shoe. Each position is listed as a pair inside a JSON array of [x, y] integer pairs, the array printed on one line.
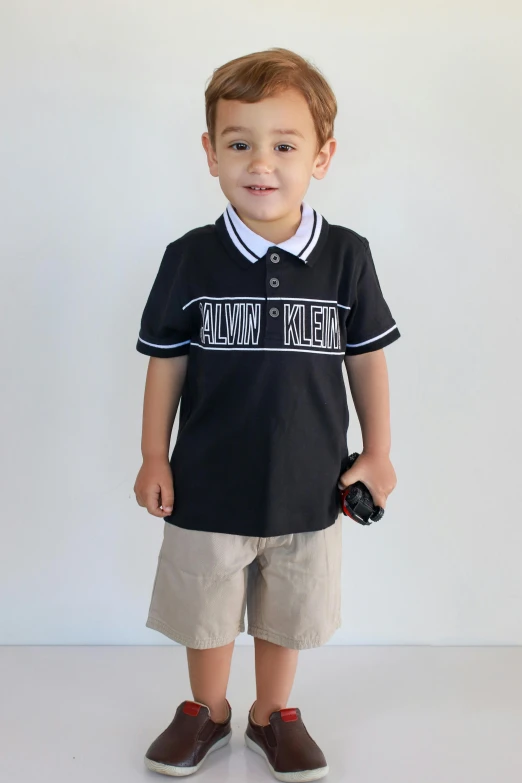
[[289, 750], [186, 742]]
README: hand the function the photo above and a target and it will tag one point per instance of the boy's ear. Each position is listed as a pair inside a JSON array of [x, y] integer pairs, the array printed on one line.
[[211, 155], [324, 158]]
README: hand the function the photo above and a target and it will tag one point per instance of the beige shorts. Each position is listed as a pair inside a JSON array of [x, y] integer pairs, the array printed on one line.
[[290, 586]]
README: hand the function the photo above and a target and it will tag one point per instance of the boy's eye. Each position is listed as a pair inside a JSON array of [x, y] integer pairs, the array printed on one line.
[[242, 144]]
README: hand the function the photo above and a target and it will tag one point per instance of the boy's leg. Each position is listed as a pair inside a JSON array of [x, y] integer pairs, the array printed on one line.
[[275, 674], [209, 672], [307, 566]]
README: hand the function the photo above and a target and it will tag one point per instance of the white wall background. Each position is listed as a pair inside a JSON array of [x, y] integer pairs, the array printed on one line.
[[102, 166]]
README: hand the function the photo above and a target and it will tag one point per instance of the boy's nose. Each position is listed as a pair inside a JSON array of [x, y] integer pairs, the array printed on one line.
[[260, 164]]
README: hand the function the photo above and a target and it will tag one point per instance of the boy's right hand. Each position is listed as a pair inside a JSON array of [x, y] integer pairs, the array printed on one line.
[[154, 487]]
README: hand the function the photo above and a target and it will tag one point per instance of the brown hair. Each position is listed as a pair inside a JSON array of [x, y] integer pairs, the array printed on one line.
[[263, 74]]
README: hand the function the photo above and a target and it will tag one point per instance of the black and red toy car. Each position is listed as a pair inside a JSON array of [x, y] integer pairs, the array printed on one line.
[[356, 500]]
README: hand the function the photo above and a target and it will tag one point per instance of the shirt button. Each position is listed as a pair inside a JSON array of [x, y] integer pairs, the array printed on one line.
[[274, 282], [274, 312], [274, 258]]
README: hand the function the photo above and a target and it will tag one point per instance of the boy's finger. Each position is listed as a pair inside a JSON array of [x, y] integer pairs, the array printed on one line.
[[167, 499], [347, 479], [153, 501], [156, 512], [379, 499]]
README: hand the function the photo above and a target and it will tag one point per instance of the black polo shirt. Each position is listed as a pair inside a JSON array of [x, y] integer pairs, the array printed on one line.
[[263, 416]]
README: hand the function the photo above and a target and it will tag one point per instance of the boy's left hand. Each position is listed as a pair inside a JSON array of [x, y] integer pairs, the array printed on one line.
[[374, 470]]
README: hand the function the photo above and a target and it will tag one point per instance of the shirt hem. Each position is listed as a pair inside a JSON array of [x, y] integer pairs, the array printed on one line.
[[207, 527]]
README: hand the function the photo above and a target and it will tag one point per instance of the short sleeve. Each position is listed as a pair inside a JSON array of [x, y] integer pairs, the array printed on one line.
[[369, 324], [165, 328]]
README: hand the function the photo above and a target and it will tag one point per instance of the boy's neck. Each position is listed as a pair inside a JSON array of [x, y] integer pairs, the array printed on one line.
[[274, 231]]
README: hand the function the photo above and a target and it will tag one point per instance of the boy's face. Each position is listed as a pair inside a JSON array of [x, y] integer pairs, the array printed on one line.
[[254, 146]]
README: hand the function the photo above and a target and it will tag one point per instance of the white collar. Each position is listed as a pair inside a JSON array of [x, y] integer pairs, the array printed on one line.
[[253, 246]]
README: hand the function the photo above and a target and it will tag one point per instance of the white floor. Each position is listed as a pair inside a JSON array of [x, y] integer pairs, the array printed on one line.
[[380, 714]]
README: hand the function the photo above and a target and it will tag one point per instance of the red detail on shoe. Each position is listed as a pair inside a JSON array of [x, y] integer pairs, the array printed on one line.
[[191, 708], [288, 714]]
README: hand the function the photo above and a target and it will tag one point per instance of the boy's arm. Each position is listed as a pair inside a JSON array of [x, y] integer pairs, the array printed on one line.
[[368, 378], [163, 387]]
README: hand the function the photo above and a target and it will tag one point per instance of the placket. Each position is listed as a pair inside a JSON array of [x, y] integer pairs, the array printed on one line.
[[274, 287]]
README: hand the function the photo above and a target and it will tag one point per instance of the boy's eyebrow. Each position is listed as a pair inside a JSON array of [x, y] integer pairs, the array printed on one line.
[[279, 131]]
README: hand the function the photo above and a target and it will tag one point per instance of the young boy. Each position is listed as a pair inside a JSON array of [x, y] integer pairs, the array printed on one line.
[[248, 322]]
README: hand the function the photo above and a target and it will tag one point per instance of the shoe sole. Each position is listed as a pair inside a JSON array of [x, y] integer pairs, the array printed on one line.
[[302, 775], [169, 769]]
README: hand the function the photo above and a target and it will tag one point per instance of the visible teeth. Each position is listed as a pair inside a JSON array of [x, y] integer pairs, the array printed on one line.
[[252, 187]]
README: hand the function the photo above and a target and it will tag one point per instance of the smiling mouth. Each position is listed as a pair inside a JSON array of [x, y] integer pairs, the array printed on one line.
[[257, 187]]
